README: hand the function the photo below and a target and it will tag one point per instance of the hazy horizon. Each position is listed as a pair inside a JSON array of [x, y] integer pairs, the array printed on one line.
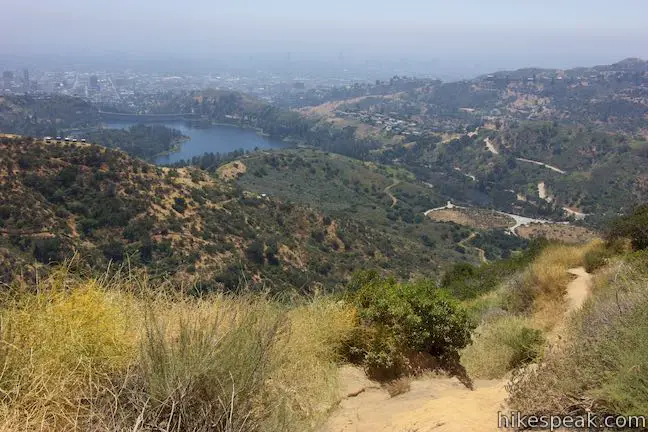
[[463, 38]]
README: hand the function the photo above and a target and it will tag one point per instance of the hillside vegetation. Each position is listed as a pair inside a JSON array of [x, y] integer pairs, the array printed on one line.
[[108, 207], [600, 366], [382, 197], [588, 122], [41, 116], [142, 141], [124, 351], [225, 292]]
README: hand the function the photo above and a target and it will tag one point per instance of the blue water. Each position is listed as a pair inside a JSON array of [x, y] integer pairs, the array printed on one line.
[[213, 139]]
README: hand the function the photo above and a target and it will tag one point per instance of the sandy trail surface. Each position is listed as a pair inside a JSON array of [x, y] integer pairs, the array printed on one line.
[[579, 289], [436, 404], [433, 404]]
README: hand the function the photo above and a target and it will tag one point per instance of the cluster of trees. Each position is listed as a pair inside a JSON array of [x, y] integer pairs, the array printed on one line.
[[211, 161], [143, 141], [633, 226]]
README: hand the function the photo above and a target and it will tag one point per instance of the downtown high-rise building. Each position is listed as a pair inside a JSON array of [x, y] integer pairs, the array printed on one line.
[[94, 82], [7, 79], [26, 83]]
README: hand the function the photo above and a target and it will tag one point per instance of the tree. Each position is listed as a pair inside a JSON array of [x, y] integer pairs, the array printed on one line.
[[47, 250], [633, 226], [114, 251], [179, 205], [256, 252]]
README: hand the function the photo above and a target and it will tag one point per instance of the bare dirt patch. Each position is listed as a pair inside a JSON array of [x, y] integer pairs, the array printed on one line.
[[232, 170], [328, 108], [565, 233], [489, 145], [474, 218]]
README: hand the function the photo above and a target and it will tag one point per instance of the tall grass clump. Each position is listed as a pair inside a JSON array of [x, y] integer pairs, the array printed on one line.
[[60, 348], [549, 270], [503, 344], [116, 354], [603, 366], [209, 371]]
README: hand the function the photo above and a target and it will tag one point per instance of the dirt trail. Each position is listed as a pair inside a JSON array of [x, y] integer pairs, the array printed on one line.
[[489, 145], [387, 190], [482, 254], [578, 290], [433, 404], [535, 162]]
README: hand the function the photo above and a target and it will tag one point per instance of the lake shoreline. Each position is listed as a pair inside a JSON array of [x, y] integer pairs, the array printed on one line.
[[215, 137], [175, 147]]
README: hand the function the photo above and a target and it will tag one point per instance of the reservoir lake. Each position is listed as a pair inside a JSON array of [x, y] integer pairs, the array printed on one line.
[[211, 139]]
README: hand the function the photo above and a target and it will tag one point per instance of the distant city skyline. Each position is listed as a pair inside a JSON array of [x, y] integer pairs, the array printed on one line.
[[461, 38]]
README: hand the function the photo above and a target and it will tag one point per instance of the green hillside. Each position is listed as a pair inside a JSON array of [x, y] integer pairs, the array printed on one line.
[[382, 197]]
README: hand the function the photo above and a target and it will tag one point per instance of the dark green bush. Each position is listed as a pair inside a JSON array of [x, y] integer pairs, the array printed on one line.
[[400, 319], [465, 281], [633, 226], [256, 252], [113, 251], [47, 250], [179, 205]]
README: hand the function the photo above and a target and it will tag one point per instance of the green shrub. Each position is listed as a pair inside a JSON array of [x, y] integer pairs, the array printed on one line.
[[465, 281], [633, 226], [256, 252], [48, 250], [179, 204], [596, 258], [526, 346], [398, 319]]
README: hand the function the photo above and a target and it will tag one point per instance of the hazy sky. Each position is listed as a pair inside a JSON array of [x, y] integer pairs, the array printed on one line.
[[491, 33]]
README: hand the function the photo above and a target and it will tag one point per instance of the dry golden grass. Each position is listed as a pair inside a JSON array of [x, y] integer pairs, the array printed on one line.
[[495, 345], [601, 368], [556, 232], [232, 170], [532, 300], [548, 274], [116, 354]]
